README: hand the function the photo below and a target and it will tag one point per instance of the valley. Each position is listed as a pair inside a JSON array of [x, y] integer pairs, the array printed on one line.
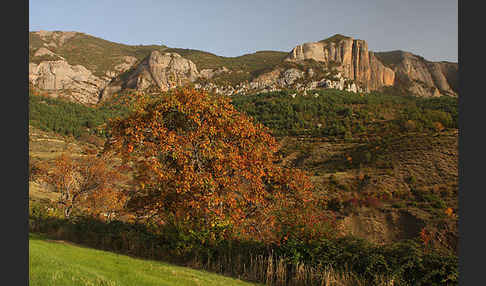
[[373, 136]]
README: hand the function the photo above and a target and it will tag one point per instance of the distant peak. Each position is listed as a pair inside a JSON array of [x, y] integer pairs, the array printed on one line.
[[335, 38]]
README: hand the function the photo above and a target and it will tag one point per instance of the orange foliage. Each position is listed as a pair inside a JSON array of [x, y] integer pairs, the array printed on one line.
[[449, 212], [438, 126], [425, 236], [198, 160], [87, 182]]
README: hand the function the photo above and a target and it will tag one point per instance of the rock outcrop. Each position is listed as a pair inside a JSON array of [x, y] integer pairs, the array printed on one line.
[[349, 56], [210, 73], [45, 52], [411, 73], [55, 39], [343, 63], [162, 70], [269, 78], [301, 81], [60, 78], [127, 63], [422, 77]]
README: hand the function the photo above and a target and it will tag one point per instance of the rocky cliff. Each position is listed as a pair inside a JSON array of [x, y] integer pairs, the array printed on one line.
[[59, 78], [162, 70], [422, 77], [78, 66], [410, 73], [86, 69], [349, 56]]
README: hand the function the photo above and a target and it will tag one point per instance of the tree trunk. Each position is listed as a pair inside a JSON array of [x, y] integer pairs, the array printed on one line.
[[67, 211]]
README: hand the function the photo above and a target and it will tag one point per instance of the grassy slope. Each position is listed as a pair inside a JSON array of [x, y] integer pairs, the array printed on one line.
[[96, 54], [334, 39], [393, 58], [248, 62], [56, 263], [245, 67], [99, 55]]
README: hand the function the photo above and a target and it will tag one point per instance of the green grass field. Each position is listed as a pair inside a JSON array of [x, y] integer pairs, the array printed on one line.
[[59, 263]]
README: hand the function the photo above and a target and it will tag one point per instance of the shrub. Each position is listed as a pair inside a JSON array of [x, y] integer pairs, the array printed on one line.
[[431, 198]]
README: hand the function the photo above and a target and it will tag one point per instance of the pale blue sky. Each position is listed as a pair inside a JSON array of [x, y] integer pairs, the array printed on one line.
[[231, 28]]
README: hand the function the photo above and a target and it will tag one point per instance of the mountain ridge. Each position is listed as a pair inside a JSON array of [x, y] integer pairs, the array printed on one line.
[[258, 51], [357, 68]]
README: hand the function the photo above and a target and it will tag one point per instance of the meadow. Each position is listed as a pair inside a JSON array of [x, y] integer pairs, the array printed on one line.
[[61, 263]]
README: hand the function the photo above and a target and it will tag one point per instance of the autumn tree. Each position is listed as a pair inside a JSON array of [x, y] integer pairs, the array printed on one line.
[[87, 182], [195, 159]]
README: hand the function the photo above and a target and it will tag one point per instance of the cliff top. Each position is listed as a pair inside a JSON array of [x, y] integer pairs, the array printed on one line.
[[334, 39]]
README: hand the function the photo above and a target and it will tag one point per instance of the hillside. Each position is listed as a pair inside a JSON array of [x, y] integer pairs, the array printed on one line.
[[334, 113], [247, 63], [101, 56], [384, 175], [407, 73], [53, 262], [420, 76], [98, 55], [85, 69], [380, 161], [386, 191], [376, 157]]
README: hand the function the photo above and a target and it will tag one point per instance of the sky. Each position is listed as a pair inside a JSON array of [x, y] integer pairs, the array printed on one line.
[[232, 28]]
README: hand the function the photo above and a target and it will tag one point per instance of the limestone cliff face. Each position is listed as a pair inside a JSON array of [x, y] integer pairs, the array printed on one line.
[[422, 77], [349, 56], [163, 70], [59, 66], [60, 78], [379, 74], [77, 83]]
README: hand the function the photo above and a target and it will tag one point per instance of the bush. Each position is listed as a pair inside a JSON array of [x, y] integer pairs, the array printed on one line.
[[432, 199]]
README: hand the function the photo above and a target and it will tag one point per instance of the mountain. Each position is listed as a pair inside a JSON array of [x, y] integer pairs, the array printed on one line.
[[78, 66], [88, 69], [412, 73], [350, 56], [97, 55], [165, 71]]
